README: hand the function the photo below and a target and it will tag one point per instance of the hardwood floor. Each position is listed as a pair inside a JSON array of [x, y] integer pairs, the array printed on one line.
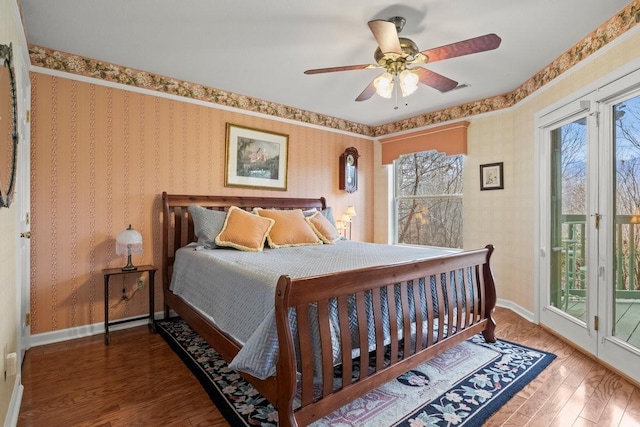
[[626, 314], [139, 381]]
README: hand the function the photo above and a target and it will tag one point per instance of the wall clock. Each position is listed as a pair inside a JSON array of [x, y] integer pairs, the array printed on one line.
[[349, 170]]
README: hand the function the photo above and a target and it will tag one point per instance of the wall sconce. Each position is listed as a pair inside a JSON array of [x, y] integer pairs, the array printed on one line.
[[129, 242]]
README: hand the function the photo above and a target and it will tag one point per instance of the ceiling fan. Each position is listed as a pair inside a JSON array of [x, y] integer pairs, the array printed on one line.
[[397, 55]]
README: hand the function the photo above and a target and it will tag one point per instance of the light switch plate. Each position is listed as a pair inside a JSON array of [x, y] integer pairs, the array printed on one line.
[[12, 364]]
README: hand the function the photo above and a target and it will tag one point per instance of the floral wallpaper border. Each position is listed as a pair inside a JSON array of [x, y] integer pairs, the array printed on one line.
[[603, 35]]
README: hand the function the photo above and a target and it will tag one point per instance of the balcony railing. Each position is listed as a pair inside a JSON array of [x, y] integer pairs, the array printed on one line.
[[573, 256]]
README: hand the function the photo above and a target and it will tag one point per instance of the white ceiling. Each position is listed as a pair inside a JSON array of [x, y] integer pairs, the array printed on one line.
[[261, 48]]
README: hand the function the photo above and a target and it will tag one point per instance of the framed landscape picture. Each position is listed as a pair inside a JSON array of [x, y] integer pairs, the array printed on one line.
[[256, 158], [491, 176]]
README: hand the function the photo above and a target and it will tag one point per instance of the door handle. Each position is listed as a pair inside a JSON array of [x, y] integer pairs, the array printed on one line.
[[26, 234]]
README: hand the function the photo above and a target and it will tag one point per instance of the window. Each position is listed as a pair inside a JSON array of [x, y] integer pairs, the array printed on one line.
[[428, 199]]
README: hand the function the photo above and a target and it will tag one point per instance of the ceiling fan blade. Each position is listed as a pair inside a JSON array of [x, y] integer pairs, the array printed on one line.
[[435, 80], [386, 35], [465, 47], [367, 92], [343, 68]]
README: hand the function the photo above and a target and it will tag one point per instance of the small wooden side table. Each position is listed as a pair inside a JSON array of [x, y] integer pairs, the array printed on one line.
[[108, 272]]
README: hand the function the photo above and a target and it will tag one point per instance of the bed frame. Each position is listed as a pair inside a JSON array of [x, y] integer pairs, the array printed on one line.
[[319, 391]]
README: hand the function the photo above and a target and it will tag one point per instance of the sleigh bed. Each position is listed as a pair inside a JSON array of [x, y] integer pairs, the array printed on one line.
[[337, 334]]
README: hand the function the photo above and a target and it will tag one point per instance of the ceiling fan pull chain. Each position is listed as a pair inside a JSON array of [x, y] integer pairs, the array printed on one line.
[[396, 89]]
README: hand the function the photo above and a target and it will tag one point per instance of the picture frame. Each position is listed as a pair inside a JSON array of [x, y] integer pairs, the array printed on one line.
[[256, 158], [492, 176]]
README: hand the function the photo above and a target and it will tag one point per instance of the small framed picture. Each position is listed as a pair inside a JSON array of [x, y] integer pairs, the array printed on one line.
[[256, 158], [491, 176]]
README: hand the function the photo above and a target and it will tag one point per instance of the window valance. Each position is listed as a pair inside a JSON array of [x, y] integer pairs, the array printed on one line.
[[450, 139]]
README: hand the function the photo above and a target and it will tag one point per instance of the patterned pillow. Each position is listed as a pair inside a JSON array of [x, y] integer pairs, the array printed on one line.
[[323, 228], [244, 231], [207, 224], [290, 228]]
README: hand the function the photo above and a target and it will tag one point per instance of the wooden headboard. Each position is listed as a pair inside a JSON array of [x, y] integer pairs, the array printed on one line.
[[177, 224]]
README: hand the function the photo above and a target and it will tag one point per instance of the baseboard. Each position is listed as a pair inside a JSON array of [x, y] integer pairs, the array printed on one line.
[[85, 331], [14, 405], [98, 328], [522, 312]]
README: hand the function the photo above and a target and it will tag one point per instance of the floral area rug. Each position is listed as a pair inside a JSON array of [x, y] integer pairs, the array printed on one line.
[[463, 386]]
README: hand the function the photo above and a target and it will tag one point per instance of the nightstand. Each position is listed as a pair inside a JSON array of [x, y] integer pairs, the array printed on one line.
[[108, 272]]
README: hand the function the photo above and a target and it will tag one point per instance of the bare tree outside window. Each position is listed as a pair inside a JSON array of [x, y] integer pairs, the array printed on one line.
[[428, 199], [627, 140]]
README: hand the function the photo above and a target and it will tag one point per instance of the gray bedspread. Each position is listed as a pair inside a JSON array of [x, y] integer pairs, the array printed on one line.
[[235, 289]]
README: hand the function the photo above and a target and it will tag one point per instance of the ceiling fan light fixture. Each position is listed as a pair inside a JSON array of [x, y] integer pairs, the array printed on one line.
[[384, 85], [408, 82], [395, 54]]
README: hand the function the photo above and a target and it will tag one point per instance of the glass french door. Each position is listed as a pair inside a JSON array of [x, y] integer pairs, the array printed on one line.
[[620, 286], [589, 242], [569, 141]]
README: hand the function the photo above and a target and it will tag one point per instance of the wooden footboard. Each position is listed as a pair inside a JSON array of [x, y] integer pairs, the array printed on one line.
[[435, 304]]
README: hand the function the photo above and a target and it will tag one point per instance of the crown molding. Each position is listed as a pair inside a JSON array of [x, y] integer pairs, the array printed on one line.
[[617, 25]]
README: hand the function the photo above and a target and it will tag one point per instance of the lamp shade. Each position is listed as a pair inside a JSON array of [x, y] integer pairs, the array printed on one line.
[[345, 218], [129, 242], [351, 211], [408, 82], [384, 85]]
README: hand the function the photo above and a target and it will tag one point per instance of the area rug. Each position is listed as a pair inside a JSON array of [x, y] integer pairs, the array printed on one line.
[[463, 386]]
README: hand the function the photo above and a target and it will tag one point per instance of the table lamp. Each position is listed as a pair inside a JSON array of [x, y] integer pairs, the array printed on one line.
[[129, 242], [347, 219], [351, 211]]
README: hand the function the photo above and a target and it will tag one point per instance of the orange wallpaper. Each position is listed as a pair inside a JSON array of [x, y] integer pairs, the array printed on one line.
[[100, 158]]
